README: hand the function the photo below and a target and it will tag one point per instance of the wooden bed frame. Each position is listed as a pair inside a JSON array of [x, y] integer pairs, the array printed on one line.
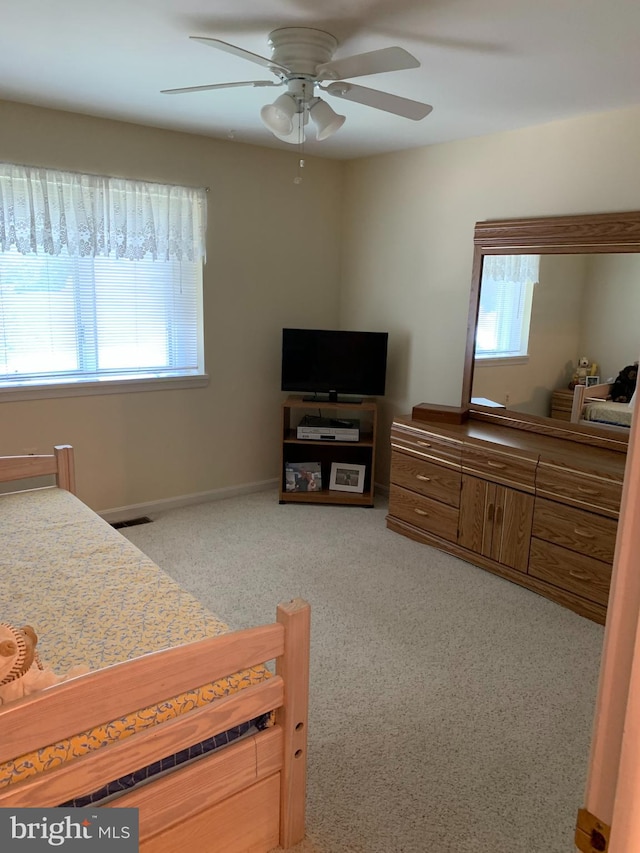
[[581, 394], [248, 797]]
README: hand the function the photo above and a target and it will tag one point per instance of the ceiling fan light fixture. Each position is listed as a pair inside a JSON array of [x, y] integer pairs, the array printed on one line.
[[278, 117], [302, 59], [297, 134], [326, 120]]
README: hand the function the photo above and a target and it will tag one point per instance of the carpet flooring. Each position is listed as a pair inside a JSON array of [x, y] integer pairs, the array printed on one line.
[[450, 710]]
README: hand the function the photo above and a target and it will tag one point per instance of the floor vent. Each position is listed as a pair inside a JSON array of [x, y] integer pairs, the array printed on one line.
[[132, 522]]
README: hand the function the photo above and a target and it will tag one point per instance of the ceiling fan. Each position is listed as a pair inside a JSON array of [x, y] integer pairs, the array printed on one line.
[[302, 61]]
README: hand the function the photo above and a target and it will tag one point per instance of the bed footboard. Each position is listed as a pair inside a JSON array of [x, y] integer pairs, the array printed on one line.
[[249, 796], [60, 463], [581, 393]]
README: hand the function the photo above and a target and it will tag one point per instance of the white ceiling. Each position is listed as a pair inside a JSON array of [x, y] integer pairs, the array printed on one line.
[[486, 65]]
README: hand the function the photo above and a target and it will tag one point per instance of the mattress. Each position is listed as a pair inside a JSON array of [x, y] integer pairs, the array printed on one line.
[[94, 598], [608, 412]]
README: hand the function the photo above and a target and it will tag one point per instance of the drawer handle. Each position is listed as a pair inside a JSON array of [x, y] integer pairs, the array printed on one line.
[[420, 512], [586, 534], [495, 464], [423, 478], [423, 443], [581, 576]]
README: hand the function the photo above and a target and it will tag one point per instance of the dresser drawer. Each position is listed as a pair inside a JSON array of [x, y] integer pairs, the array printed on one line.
[[433, 481], [570, 571], [425, 445], [505, 468], [576, 529], [432, 516], [579, 488], [561, 404]]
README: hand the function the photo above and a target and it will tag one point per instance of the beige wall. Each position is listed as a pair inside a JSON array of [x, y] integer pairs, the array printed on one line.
[[408, 233], [272, 260], [382, 243], [611, 334]]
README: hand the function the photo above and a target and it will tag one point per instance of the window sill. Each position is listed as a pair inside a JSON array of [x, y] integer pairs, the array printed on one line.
[[86, 389], [503, 360]]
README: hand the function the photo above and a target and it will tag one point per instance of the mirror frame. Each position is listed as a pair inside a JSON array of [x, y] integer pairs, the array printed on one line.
[[580, 234]]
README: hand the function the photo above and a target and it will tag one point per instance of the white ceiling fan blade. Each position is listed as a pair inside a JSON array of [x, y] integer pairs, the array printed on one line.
[[374, 62], [241, 52], [255, 83], [379, 100]]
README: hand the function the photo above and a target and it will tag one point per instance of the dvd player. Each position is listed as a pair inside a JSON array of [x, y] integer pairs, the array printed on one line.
[[328, 429]]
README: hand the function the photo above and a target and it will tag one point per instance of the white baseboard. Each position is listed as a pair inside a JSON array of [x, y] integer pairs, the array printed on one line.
[[125, 513]]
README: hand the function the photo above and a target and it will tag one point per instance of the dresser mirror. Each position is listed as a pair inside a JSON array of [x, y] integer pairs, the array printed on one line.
[[581, 300]]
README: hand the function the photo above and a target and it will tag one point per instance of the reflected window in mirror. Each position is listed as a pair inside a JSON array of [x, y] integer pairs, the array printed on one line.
[[504, 311], [583, 306]]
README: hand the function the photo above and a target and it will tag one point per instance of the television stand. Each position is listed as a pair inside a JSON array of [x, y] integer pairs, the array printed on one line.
[[332, 397], [346, 468]]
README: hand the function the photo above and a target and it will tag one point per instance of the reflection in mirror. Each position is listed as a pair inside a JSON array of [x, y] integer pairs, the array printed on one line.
[[577, 306]]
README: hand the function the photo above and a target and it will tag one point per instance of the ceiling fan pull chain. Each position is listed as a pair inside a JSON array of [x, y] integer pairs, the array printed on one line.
[[301, 138]]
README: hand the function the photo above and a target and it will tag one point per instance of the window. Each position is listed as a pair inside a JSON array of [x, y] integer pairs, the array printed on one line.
[[504, 313], [116, 295]]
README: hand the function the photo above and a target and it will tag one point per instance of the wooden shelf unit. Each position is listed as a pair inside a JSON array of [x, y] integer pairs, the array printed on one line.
[[361, 452]]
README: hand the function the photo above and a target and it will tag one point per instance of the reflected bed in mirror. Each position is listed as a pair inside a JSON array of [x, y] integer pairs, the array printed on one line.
[[578, 298]]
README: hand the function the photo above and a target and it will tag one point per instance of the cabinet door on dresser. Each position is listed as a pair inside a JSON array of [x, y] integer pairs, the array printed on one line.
[[495, 521]]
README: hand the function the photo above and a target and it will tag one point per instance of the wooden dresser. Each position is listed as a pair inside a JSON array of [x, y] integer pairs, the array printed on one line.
[[561, 404], [538, 510]]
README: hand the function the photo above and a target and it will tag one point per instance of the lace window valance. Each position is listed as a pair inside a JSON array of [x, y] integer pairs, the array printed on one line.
[[45, 210], [515, 269]]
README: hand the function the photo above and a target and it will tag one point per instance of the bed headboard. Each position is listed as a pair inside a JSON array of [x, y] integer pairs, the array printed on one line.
[[60, 463]]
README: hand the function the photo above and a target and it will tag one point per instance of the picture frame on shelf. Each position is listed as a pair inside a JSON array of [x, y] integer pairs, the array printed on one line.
[[303, 477], [591, 380], [347, 477]]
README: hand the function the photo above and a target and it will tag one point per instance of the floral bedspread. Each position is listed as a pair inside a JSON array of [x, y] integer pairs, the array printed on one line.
[[94, 598]]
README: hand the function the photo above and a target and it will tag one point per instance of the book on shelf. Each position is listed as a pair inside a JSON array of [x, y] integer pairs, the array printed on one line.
[[303, 477]]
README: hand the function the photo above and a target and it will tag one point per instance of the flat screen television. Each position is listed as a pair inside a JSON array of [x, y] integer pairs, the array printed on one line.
[[326, 363]]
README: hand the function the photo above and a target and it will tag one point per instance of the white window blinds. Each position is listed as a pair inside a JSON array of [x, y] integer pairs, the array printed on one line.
[[504, 313], [99, 278]]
